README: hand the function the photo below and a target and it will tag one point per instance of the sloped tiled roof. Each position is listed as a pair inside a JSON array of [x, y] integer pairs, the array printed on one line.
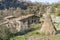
[[19, 18], [24, 17], [9, 17]]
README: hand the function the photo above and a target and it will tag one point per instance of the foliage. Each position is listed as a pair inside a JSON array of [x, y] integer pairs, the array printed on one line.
[[55, 5], [57, 12], [15, 8], [4, 33], [32, 33], [35, 33]]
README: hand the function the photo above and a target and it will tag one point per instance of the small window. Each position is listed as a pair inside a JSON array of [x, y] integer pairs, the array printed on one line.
[[23, 21], [34, 20]]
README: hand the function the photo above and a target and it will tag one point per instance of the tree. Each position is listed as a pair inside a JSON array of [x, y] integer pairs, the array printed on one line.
[[55, 5], [17, 12], [57, 12]]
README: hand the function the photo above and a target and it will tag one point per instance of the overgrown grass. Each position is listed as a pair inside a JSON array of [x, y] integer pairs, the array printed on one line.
[[56, 37], [32, 33], [36, 33], [23, 37], [57, 25]]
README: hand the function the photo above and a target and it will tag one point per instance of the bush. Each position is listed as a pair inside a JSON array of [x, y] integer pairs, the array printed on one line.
[[4, 33], [57, 12]]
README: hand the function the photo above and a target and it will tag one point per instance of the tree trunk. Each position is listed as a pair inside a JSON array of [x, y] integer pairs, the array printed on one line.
[[48, 27]]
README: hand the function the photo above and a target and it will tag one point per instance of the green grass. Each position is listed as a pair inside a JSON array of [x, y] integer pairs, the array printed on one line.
[[18, 38], [23, 37], [57, 25], [36, 33], [33, 33]]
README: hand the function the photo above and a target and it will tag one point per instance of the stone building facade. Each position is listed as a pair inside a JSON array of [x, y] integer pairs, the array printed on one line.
[[21, 23]]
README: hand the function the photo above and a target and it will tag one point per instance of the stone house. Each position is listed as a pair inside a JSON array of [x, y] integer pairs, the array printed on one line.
[[21, 23]]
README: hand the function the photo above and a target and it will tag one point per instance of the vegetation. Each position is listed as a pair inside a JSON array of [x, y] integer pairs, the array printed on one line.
[[29, 34], [19, 8], [57, 12], [4, 33], [36, 33]]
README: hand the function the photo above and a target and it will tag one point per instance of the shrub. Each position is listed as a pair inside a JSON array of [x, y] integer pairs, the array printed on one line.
[[57, 12], [4, 33]]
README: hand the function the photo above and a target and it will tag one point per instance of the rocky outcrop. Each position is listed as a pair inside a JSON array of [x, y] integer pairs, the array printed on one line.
[[48, 27]]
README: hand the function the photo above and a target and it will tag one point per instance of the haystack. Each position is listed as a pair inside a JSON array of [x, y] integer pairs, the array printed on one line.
[[48, 26]]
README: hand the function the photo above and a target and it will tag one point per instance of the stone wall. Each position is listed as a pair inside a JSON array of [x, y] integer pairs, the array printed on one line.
[[21, 25], [17, 26], [14, 26]]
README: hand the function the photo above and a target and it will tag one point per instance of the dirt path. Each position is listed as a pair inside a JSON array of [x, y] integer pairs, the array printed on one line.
[[40, 38]]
